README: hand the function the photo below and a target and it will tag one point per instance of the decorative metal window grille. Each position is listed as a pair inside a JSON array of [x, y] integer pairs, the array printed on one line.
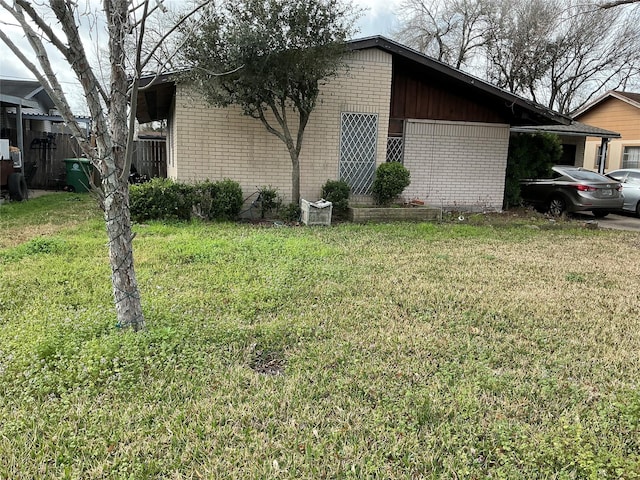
[[395, 149], [358, 139]]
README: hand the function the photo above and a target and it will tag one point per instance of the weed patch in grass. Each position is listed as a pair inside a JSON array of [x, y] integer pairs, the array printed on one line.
[[357, 351]]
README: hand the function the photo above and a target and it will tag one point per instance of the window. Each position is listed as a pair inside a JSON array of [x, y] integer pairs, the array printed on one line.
[[631, 157], [395, 149], [633, 177], [358, 139]]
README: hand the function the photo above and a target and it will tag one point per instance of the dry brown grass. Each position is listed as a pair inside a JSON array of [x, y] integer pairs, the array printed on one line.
[[44, 216], [377, 351]]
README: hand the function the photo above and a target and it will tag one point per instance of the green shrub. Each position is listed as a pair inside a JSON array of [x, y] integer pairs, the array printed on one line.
[[220, 200], [161, 199], [268, 200], [390, 181], [290, 212], [530, 156], [229, 200], [337, 192]]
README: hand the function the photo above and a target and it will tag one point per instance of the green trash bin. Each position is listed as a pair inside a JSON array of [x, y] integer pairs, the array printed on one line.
[[78, 172]]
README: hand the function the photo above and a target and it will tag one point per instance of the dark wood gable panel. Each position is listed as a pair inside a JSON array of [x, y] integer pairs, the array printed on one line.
[[417, 92]]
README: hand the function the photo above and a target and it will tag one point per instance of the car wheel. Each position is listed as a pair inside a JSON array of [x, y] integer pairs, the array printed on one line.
[[557, 206], [600, 213]]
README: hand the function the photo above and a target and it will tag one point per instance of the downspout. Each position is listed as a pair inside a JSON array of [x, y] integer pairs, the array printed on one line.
[[604, 145]]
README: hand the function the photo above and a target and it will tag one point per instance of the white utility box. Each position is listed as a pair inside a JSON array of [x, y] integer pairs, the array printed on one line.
[[316, 213], [4, 149]]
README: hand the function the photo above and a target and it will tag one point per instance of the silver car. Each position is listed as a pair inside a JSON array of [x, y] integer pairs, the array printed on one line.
[[630, 180], [573, 189]]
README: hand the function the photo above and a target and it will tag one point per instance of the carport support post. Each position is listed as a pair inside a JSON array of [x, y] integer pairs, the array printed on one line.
[[20, 135], [604, 145]]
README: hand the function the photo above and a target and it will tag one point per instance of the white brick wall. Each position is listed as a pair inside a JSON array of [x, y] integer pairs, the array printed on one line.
[[215, 143], [456, 164]]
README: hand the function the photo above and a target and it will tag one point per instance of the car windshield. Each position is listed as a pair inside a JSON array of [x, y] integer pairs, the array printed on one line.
[[586, 176]]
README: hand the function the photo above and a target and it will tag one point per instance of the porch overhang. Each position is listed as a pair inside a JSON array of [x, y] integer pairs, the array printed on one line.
[[575, 129]]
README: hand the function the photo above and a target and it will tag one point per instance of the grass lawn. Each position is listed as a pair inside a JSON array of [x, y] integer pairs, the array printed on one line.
[[472, 350]]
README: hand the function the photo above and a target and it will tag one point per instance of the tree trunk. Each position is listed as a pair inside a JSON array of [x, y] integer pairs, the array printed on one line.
[[123, 276], [115, 183], [295, 178]]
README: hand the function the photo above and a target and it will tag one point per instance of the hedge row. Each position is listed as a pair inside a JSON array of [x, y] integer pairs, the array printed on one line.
[[165, 199]]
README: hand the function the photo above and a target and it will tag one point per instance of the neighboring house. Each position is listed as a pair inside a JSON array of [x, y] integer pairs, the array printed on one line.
[[24, 105], [29, 120], [451, 130], [620, 112]]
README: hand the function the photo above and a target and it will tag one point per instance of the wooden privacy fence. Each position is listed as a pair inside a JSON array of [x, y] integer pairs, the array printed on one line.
[[43, 157], [45, 153], [151, 157]]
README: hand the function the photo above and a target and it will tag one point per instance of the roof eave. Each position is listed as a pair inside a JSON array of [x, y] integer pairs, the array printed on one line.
[[599, 133], [602, 98]]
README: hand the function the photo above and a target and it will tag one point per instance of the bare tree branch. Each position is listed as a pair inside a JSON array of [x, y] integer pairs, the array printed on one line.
[[617, 3], [172, 30]]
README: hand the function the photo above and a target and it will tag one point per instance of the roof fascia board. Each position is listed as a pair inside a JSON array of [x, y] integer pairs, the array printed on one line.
[[19, 102], [626, 99], [32, 94], [547, 129], [51, 118], [602, 98]]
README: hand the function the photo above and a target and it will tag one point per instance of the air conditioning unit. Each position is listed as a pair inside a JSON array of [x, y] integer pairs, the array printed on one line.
[[316, 213]]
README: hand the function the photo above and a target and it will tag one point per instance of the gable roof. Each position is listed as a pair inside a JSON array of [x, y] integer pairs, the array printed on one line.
[[532, 111], [155, 100], [631, 98], [27, 93]]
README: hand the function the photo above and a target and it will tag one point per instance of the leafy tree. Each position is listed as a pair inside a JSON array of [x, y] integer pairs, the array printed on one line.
[[112, 109], [270, 57]]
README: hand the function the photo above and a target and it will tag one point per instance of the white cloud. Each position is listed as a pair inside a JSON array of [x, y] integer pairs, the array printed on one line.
[[379, 17]]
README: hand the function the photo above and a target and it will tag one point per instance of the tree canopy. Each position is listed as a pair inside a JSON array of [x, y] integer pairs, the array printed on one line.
[[560, 53], [270, 57]]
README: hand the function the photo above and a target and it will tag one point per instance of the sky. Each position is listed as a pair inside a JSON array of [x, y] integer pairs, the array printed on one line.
[[378, 19]]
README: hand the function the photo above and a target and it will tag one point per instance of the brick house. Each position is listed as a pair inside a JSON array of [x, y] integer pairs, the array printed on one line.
[[450, 129], [618, 111]]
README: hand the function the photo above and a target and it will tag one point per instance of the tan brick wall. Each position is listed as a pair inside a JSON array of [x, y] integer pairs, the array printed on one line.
[[215, 143], [456, 164], [172, 171]]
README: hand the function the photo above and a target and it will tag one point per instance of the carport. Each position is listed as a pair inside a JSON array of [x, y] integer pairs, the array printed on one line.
[[574, 137]]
